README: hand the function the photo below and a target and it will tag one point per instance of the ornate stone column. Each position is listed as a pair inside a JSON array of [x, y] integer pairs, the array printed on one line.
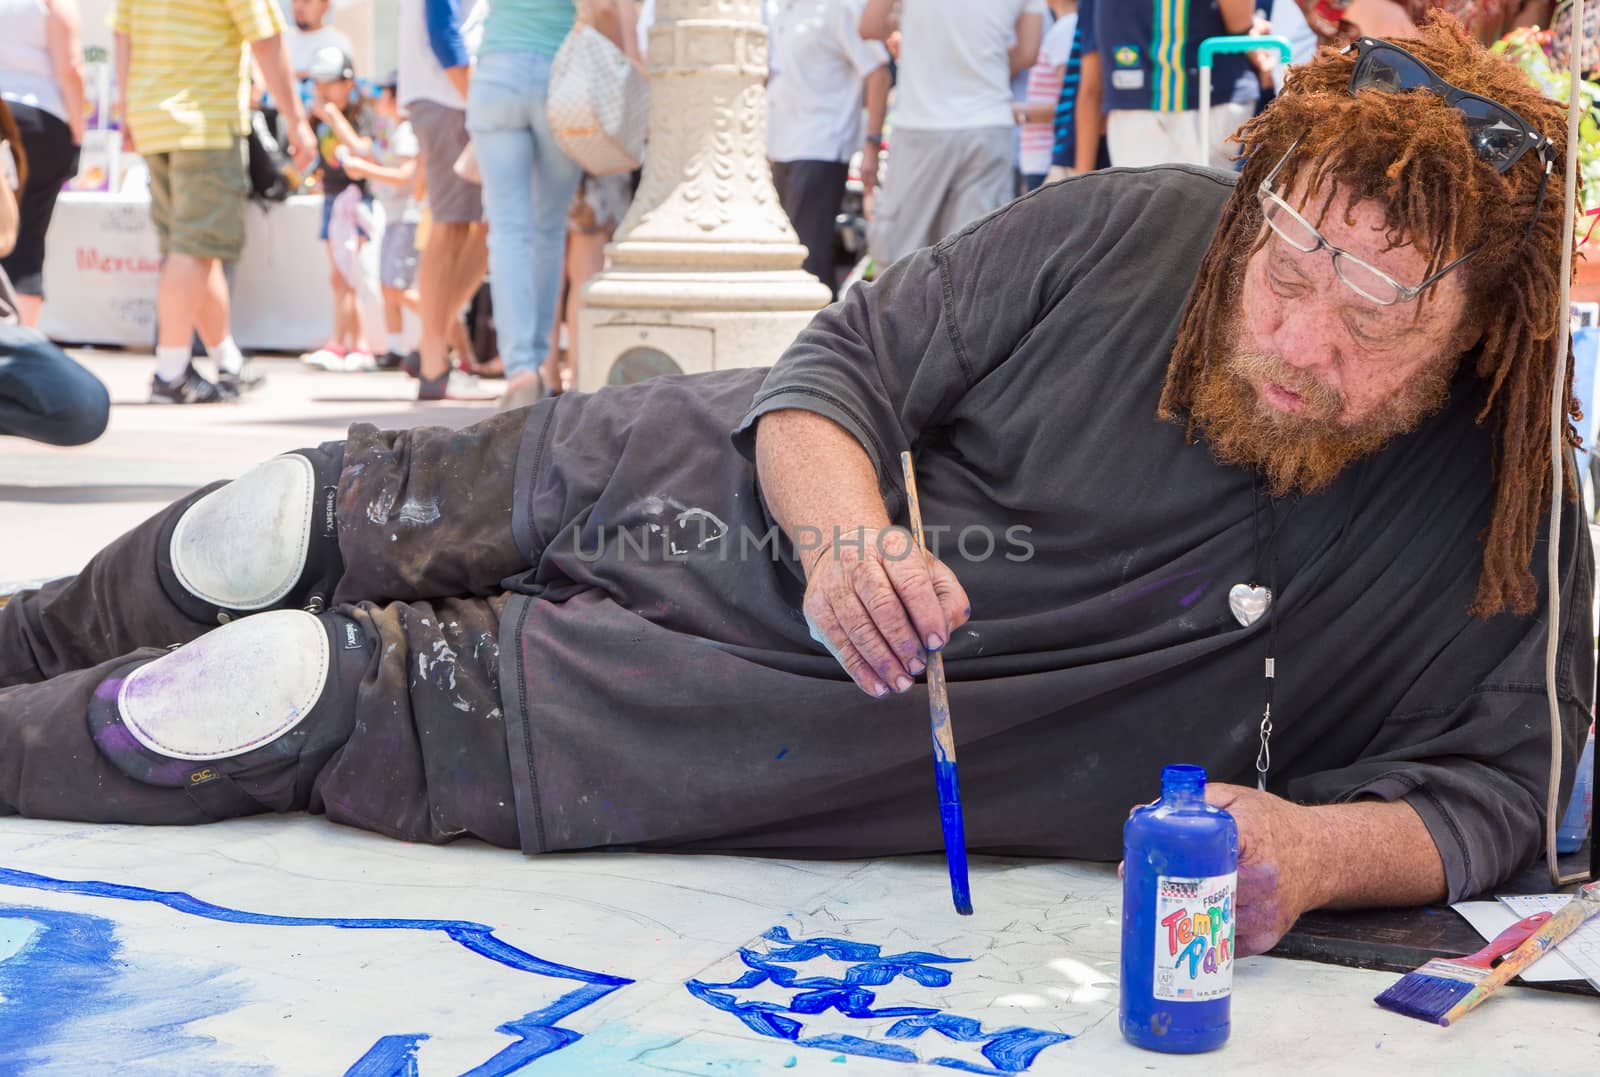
[[704, 272]]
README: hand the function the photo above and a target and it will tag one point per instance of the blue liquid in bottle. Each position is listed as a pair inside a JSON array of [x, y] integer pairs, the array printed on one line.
[[1180, 869]]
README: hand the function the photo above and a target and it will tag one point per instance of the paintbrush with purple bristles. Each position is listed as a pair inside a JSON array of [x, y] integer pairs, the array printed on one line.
[[944, 740]]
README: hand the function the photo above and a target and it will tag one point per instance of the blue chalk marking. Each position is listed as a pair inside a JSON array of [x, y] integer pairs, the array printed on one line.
[[1008, 1050], [391, 1055], [781, 753]]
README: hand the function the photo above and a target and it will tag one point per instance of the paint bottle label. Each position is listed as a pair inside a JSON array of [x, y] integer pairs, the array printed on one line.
[[1194, 938]]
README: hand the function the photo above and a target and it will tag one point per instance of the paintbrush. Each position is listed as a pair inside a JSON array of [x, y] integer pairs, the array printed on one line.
[[1426, 992], [1462, 995], [1583, 905], [944, 741]]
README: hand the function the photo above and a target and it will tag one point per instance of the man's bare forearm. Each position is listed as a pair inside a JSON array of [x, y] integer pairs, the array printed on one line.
[[1376, 853], [815, 474], [1089, 118], [273, 60]]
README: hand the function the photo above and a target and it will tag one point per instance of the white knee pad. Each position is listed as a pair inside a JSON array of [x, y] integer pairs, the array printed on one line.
[[231, 691], [268, 539], [243, 718], [244, 546]]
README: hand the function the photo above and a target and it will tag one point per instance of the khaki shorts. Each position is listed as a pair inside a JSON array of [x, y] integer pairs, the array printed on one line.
[[197, 200]]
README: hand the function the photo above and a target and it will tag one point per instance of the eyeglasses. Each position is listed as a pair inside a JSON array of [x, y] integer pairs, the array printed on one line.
[[1363, 278], [1497, 134]]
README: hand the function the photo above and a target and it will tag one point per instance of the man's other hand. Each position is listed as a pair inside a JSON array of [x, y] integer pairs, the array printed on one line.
[[1280, 869], [879, 606]]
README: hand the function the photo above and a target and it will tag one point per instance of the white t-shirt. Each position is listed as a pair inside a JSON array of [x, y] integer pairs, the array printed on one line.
[[815, 81], [393, 145], [303, 45], [26, 74], [954, 69], [1044, 87], [421, 77]]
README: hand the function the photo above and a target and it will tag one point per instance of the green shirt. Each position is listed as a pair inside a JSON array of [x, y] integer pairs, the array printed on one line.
[[527, 26]]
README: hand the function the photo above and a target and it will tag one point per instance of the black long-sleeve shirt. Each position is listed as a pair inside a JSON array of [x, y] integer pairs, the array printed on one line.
[[679, 701]]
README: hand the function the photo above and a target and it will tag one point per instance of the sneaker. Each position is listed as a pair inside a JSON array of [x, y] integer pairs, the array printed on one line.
[[356, 362], [192, 388], [351, 362], [523, 391], [322, 357], [411, 363], [452, 385], [389, 361], [245, 381]]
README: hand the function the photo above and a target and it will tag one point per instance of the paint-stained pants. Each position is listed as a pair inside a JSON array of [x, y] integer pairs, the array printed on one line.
[[424, 520]]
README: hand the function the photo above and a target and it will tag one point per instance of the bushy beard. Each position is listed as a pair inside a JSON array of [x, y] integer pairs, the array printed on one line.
[[1305, 451]]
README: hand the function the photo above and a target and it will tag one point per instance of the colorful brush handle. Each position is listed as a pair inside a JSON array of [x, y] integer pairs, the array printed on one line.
[[944, 739], [1506, 941], [1584, 905]]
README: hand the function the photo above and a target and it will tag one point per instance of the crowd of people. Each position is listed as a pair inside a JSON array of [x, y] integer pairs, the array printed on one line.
[[905, 120]]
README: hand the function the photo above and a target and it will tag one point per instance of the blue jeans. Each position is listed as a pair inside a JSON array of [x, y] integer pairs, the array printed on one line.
[[46, 396], [528, 183]]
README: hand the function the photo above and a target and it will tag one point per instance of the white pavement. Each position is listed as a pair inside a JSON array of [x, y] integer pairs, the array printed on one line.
[[292, 946]]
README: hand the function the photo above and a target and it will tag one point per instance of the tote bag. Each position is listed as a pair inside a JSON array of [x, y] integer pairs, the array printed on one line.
[[598, 104]]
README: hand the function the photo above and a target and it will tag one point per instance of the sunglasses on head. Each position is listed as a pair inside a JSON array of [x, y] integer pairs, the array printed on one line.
[[1498, 135]]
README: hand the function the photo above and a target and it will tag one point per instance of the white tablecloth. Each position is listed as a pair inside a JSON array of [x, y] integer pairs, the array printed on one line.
[[102, 265]]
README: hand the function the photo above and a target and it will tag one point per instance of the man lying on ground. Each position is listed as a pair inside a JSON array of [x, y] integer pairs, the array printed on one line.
[[1139, 401]]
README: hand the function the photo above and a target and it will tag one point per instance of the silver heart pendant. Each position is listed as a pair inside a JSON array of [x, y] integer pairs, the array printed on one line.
[[1248, 602]]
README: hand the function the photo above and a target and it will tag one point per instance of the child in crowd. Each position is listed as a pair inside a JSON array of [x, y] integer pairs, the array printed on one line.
[[345, 128], [1040, 93], [394, 180]]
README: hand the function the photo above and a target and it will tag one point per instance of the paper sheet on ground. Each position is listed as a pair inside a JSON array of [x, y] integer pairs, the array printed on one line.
[[1489, 918]]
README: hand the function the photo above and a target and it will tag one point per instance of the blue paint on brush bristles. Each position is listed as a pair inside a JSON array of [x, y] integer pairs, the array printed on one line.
[[1424, 997], [955, 831]]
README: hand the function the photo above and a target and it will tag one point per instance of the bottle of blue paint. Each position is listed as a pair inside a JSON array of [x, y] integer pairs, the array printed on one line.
[[1180, 868]]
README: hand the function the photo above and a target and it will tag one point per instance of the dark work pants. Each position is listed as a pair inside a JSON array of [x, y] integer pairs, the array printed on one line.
[[46, 396], [811, 193], [424, 520]]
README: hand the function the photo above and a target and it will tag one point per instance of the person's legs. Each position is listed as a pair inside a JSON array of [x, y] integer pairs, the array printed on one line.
[[811, 193], [472, 262], [921, 167], [384, 717], [46, 396], [198, 204], [586, 257], [394, 516], [499, 117], [983, 179], [553, 184], [455, 205], [52, 161], [180, 295], [436, 292]]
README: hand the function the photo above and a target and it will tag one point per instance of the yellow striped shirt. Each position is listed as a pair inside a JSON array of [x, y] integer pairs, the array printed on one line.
[[188, 82]]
